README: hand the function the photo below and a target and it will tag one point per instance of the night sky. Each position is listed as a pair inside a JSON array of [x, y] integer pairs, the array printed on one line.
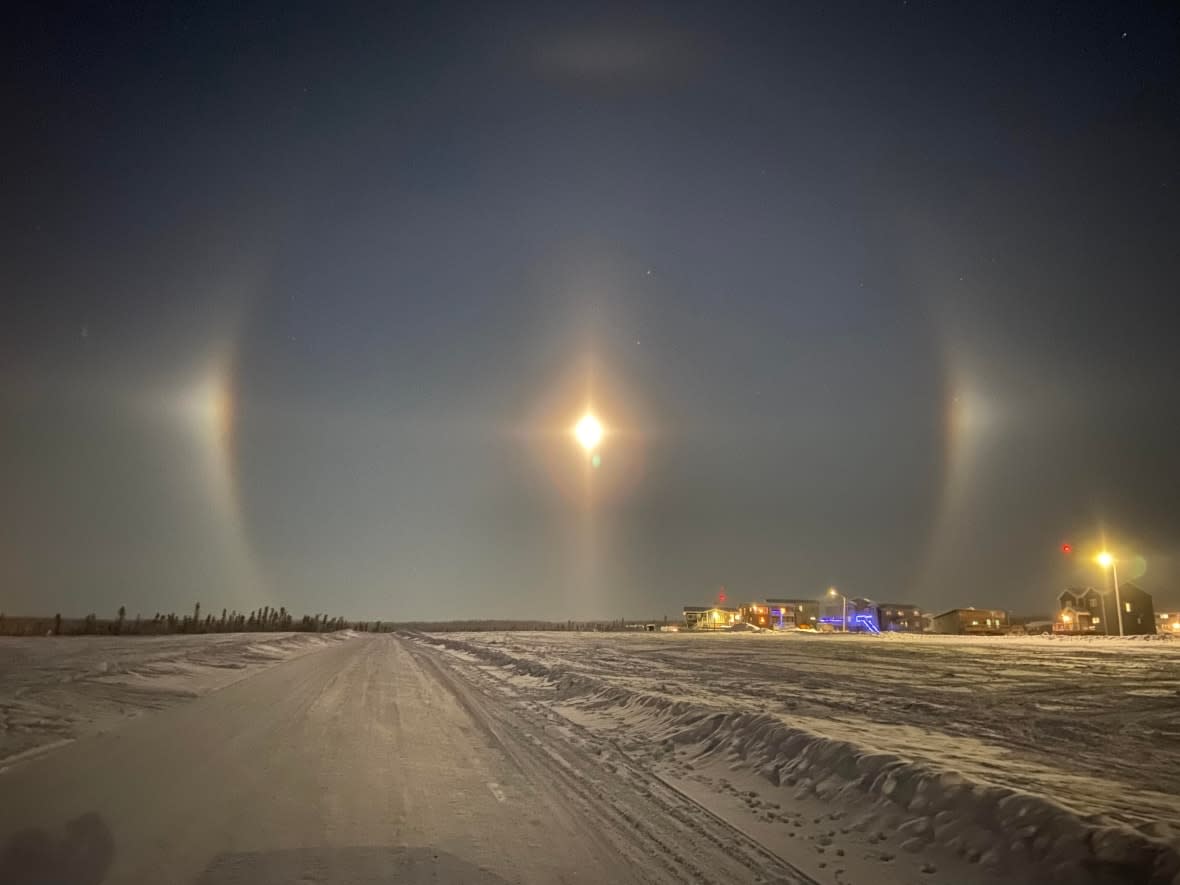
[[298, 304]]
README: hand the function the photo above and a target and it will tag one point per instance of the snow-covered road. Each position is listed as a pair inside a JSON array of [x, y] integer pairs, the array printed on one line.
[[378, 759]]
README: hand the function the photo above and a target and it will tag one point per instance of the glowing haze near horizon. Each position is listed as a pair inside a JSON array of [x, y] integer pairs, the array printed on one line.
[[300, 306]]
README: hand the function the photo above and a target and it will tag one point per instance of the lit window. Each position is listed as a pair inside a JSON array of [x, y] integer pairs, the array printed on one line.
[[975, 623], [1096, 621], [1127, 606]]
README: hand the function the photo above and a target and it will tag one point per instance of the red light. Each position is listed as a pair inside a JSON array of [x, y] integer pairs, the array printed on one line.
[[1066, 548]]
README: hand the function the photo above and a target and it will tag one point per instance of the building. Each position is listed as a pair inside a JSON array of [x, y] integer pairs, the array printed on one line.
[[1087, 610], [758, 614], [1168, 622], [782, 614], [833, 609], [1030, 625], [870, 616], [899, 617], [1138, 611], [710, 617], [1082, 610], [693, 615], [804, 613], [972, 622]]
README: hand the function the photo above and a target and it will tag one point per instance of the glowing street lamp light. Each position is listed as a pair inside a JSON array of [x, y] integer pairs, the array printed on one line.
[[1105, 560], [588, 432], [833, 592]]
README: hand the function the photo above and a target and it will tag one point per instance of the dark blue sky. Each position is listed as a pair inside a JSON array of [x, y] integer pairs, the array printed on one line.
[[300, 303]]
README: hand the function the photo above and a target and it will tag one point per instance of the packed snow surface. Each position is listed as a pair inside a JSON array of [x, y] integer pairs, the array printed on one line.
[[378, 760]]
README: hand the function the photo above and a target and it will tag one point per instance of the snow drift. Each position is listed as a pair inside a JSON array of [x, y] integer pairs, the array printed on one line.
[[57, 689]]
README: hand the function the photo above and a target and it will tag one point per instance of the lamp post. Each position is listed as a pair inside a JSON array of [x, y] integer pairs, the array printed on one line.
[[843, 609], [1105, 560]]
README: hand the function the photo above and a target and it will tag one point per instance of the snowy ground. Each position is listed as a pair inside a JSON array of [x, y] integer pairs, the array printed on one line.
[[932, 758], [377, 760], [642, 757], [54, 690]]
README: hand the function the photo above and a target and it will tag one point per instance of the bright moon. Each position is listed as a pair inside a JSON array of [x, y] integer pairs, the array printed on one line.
[[589, 432]]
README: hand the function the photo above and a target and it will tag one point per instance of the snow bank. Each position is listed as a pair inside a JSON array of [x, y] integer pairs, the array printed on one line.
[[1001, 828], [1056, 637], [54, 690]]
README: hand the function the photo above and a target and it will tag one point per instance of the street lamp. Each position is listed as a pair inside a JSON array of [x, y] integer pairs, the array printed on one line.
[[1105, 560], [844, 608]]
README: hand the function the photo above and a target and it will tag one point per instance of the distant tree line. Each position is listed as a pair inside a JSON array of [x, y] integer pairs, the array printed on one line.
[[263, 620], [272, 620], [511, 625]]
